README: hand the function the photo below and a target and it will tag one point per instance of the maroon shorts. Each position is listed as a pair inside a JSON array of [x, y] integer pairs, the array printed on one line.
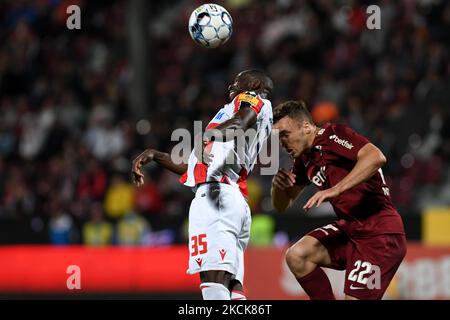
[[369, 263]]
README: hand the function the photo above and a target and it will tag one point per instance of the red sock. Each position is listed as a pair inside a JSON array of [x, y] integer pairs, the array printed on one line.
[[317, 285]]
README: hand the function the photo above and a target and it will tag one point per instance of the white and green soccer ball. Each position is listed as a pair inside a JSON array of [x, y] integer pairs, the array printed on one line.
[[210, 25]]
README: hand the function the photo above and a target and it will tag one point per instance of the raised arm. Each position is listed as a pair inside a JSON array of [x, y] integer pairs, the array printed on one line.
[[159, 157], [241, 120], [226, 131], [369, 160]]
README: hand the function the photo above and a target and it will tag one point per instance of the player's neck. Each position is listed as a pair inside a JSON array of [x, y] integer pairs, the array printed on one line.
[[314, 135], [316, 131], [311, 139]]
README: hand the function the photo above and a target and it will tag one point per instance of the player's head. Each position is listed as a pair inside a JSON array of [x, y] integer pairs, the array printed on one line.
[[251, 80], [296, 127]]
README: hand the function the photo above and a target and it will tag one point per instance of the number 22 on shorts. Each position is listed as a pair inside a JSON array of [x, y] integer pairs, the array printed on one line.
[[199, 244]]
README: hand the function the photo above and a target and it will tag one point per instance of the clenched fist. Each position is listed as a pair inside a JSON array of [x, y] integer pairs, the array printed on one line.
[[283, 179]]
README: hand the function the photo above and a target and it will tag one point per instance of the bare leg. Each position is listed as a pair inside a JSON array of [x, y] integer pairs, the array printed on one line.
[[305, 255], [215, 284], [217, 276], [304, 260]]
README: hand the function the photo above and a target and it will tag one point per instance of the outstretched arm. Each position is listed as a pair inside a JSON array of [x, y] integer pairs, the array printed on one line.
[[242, 120], [369, 160], [159, 157]]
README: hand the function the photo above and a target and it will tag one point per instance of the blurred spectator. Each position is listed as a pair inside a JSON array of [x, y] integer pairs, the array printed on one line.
[[324, 112], [159, 238], [92, 182], [97, 231], [262, 230], [119, 197], [131, 229], [147, 199], [255, 193], [61, 229]]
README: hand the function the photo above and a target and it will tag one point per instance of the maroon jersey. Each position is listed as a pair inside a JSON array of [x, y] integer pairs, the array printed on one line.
[[363, 210]]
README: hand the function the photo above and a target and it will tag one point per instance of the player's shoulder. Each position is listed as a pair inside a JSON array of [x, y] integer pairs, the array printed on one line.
[[338, 136], [251, 99], [329, 130], [324, 131]]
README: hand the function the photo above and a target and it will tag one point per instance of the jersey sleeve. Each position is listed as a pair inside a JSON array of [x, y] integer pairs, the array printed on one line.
[[248, 100], [300, 173], [345, 142]]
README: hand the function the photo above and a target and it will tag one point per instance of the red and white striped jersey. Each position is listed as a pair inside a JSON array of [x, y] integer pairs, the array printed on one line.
[[233, 160]]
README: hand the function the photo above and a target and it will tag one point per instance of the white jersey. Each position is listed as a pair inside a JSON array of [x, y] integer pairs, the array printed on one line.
[[233, 160]]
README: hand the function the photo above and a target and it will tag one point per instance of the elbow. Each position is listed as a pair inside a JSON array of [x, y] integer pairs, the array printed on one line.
[[279, 207], [281, 201], [381, 160]]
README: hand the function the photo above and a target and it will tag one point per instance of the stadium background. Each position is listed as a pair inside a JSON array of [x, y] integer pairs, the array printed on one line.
[[78, 105]]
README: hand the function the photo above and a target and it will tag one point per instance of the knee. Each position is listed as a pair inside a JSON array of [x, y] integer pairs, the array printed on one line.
[[297, 255]]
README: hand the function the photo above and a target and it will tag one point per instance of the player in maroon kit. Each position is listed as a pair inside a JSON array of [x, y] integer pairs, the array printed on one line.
[[367, 240]]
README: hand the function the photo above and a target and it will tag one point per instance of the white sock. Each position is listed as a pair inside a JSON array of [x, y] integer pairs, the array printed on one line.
[[238, 295], [214, 291]]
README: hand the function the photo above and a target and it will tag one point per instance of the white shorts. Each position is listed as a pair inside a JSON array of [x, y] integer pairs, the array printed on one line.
[[219, 230]]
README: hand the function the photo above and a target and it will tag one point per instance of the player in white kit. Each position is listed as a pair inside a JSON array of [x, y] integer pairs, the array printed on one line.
[[219, 216]]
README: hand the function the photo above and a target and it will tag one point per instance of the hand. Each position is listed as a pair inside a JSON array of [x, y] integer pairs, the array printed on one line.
[[200, 150], [141, 160], [320, 197], [283, 179]]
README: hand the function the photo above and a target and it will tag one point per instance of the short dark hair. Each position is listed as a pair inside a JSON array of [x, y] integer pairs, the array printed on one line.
[[293, 109], [263, 77]]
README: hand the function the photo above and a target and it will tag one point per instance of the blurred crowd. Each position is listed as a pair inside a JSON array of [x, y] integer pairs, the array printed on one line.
[[67, 136]]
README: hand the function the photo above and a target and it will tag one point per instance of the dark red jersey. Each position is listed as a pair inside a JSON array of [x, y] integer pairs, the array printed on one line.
[[364, 210]]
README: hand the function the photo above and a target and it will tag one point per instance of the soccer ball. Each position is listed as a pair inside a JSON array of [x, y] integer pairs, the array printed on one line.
[[210, 25]]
